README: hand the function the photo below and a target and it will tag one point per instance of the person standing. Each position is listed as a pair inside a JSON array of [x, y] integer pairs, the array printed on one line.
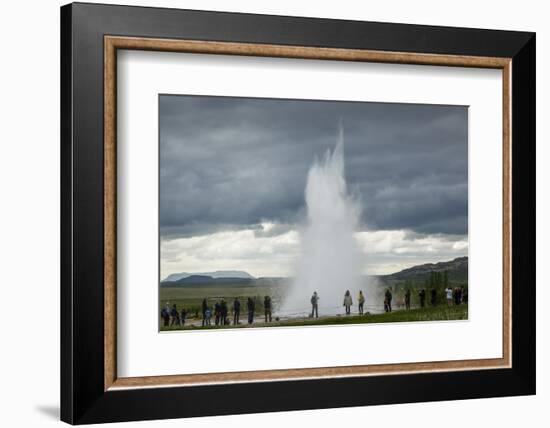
[[455, 296], [459, 296], [183, 316], [314, 305], [236, 311], [207, 316], [250, 306], [408, 299], [433, 296], [165, 314], [267, 308], [204, 308], [422, 296], [223, 312], [174, 314], [387, 300], [449, 295], [217, 313], [361, 300], [347, 302]]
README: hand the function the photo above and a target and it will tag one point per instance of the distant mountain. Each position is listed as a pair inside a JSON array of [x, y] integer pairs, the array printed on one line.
[[457, 269], [217, 274], [209, 279]]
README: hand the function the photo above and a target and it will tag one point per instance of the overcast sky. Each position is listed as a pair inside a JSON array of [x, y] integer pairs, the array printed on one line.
[[233, 173]]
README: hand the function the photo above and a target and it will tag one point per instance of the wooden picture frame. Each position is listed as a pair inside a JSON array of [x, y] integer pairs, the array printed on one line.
[[91, 390]]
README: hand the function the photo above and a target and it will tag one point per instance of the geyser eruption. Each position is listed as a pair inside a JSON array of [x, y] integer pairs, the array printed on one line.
[[329, 262]]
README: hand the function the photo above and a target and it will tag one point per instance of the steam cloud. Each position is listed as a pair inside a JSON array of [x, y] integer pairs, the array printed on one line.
[[330, 258]]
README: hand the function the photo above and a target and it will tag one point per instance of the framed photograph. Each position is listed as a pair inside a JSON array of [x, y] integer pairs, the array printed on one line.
[[291, 213]]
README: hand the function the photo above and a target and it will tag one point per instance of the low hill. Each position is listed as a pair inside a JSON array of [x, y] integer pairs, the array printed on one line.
[[457, 270]]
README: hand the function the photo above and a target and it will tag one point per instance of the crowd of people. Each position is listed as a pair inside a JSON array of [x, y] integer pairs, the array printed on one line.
[[171, 316], [219, 311], [454, 296]]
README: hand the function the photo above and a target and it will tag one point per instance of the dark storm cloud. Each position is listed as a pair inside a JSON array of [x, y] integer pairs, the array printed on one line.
[[231, 163]]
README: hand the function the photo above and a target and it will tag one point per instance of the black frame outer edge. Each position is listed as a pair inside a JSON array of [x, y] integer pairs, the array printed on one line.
[[66, 305], [82, 397], [524, 213]]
